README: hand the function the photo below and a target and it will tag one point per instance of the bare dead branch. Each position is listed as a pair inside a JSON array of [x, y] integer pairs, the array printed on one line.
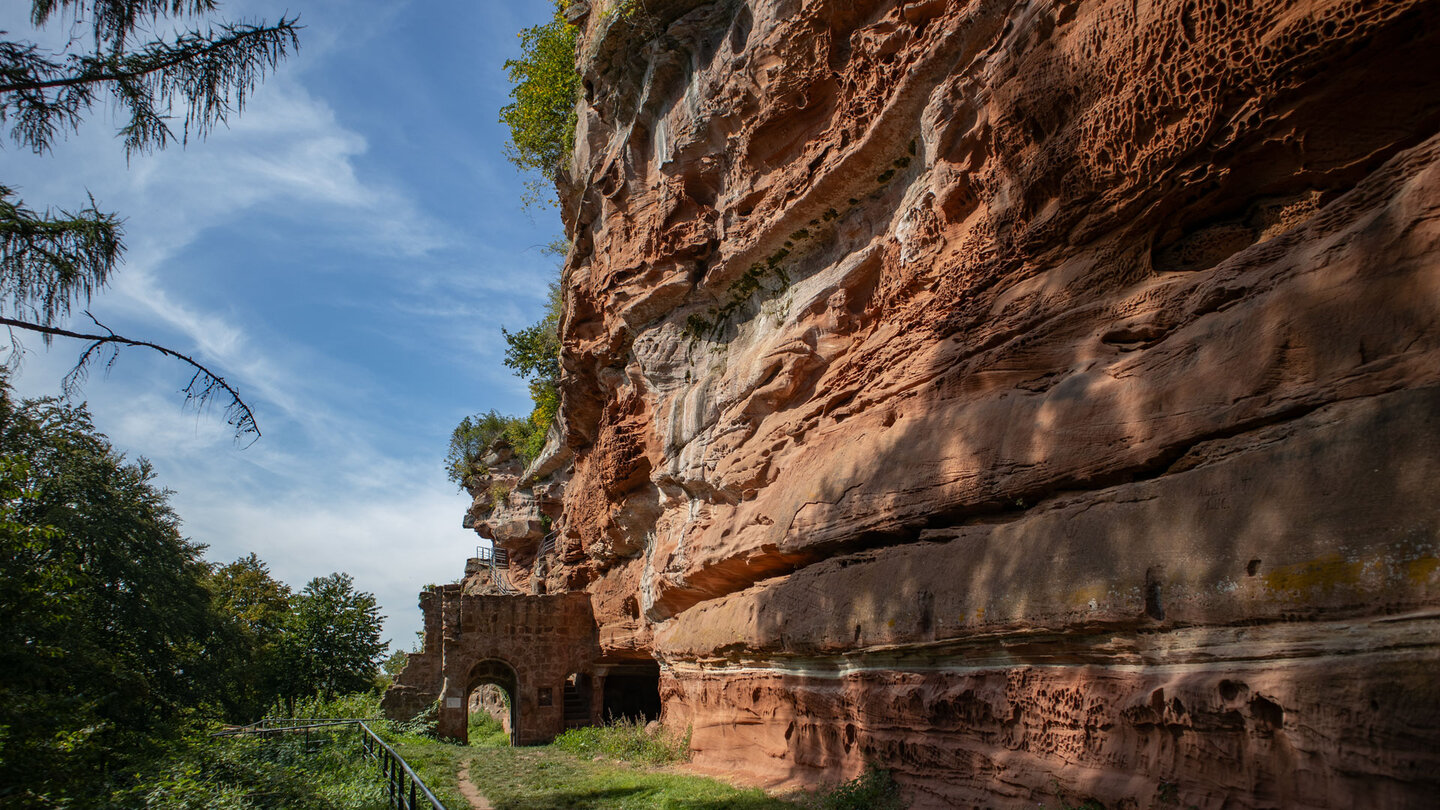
[[203, 387]]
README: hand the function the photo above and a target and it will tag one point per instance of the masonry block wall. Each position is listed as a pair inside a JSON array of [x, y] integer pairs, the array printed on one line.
[[418, 685], [525, 644]]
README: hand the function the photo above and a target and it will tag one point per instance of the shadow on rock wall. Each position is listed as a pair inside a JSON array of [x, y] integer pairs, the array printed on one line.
[[1151, 518]]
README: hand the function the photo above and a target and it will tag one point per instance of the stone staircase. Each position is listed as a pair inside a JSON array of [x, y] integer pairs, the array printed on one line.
[[577, 707]]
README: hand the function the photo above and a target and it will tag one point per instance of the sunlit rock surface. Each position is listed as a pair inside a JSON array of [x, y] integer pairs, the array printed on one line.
[[1038, 399]]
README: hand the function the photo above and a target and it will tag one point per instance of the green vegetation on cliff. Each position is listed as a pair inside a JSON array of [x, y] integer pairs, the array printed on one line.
[[542, 116], [541, 119], [534, 354]]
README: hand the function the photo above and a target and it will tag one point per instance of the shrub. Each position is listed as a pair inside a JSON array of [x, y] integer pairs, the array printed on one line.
[[625, 739], [498, 494], [359, 705], [472, 438], [487, 732], [872, 790], [424, 724], [322, 772]]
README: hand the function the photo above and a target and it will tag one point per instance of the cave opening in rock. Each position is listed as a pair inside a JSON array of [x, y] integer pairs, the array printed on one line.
[[631, 692]]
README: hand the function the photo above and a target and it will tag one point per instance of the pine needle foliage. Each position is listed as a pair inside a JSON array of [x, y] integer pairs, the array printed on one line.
[[209, 73], [50, 261], [54, 261]]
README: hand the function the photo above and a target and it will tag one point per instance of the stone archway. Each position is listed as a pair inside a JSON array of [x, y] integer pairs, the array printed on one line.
[[500, 673], [529, 643]]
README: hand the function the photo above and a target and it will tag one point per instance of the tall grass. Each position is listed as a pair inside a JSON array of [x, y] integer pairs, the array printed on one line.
[[325, 772], [487, 732], [627, 740]]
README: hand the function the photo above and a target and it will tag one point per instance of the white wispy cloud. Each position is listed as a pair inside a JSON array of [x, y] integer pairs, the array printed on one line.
[[348, 476]]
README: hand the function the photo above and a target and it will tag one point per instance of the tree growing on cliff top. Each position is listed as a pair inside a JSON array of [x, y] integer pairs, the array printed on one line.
[[473, 437], [534, 354], [53, 261], [542, 116]]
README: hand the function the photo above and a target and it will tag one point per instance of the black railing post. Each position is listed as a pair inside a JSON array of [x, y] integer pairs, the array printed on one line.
[[397, 784], [394, 789]]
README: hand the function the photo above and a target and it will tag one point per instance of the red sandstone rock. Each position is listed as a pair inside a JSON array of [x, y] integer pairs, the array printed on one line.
[[1024, 396]]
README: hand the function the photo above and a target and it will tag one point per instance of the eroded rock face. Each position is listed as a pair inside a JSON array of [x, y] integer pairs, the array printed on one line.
[[1026, 396]]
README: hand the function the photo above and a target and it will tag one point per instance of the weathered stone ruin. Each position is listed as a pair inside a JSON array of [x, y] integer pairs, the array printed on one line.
[[1040, 400]]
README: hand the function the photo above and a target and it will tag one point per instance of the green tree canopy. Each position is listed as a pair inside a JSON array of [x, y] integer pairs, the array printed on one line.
[[255, 608], [534, 354], [473, 437], [333, 642], [106, 626], [542, 116], [114, 633]]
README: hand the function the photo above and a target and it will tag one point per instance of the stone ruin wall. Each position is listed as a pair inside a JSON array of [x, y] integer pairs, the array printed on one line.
[[420, 682], [525, 644], [1038, 399]]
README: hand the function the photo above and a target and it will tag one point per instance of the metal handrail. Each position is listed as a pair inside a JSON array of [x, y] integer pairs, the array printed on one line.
[[498, 559], [403, 787]]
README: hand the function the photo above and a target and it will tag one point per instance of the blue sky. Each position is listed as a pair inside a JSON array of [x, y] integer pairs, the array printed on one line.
[[345, 253]]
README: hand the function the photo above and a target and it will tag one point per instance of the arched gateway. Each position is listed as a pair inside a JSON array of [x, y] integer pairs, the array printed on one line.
[[525, 644], [493, 671]]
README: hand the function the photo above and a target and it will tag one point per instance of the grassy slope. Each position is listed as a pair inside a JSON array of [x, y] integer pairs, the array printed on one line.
[[615, 767], [548, 777], [560, 776]]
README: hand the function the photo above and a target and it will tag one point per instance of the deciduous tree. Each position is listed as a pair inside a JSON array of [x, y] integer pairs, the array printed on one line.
[[333, 641], [106, 627], [542, 116], [255, 609]]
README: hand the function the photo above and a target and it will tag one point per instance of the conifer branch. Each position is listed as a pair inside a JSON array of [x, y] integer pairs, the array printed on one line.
[[212, 72], [48, 261]]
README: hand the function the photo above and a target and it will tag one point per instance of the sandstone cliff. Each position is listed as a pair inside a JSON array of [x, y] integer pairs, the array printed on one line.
[[1040, 399]]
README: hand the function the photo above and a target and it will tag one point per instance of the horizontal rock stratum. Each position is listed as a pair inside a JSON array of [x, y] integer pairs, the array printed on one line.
[[1040, 400]]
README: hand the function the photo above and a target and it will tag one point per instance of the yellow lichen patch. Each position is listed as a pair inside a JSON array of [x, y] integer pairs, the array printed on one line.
[[1326, 574], [1087, 598], [1422, 571]]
